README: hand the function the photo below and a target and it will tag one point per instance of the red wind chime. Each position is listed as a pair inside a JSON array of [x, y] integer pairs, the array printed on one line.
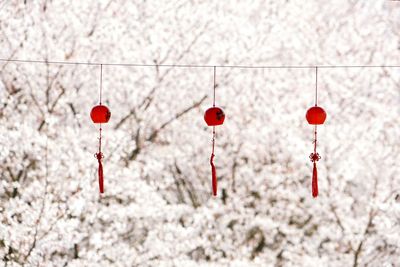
[[315, 116], [214, 116], [100, 114]]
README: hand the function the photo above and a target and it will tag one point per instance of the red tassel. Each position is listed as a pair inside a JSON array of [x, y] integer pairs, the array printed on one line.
[[101, 178], [315, 181], [214, 176]]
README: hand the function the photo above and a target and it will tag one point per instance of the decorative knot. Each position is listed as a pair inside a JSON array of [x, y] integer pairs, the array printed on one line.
[[98, 156], [315, 157]]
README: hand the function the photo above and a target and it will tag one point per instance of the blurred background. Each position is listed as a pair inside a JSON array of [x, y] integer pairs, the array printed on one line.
[[157, 209]]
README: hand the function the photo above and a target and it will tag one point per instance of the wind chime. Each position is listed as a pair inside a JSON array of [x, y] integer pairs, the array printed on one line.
[[315, 116], [100, 114], [214, 116]]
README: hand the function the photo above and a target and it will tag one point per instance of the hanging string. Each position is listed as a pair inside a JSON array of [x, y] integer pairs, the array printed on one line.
[[316, 103], [316, 86], [101, 82], [100, 95], [215, 85], [315, 139]]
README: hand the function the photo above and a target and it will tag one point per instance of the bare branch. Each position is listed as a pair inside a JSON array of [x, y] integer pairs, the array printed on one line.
[[155, 133]]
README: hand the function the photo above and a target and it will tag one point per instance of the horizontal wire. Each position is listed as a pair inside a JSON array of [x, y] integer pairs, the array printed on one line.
[[195, 65]]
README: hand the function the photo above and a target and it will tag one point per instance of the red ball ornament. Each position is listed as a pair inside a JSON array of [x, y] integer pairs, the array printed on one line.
[[100, 114], [316, 115], [214, 116]]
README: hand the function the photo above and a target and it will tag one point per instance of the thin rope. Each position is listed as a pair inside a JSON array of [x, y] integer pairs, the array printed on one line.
[[213, 140], [101, 81], [195, 65], [315, 139], [316, 103], [215, 85], [100, 138], [100, 95], [316, 86]]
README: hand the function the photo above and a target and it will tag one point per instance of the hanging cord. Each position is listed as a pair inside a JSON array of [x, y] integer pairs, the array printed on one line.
[[213, 170], [99, 155], [316, 86], [316, 104], [101, 82], [315, 139], [215, 85]]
